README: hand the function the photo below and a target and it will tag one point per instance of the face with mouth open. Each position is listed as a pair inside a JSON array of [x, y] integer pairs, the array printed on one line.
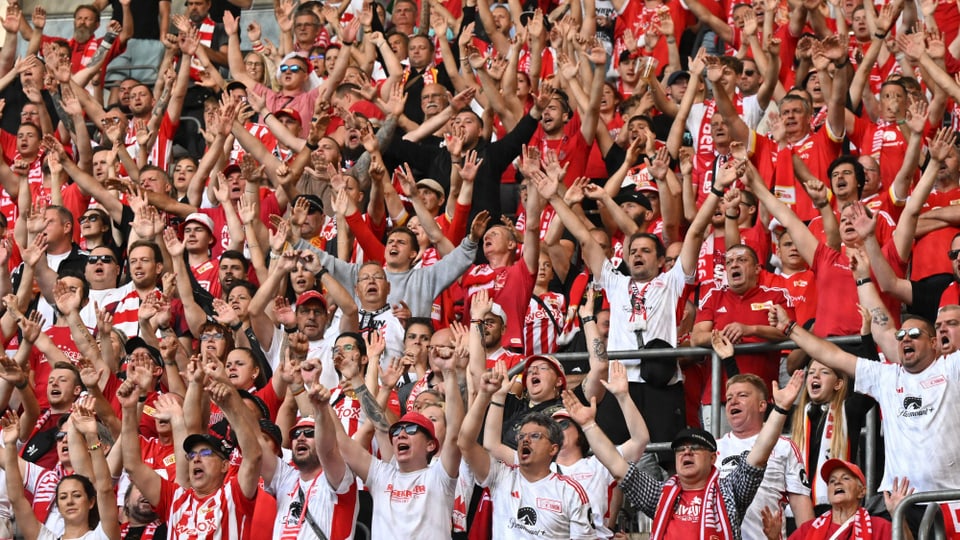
[[693, 463], [844, 489], [534, 446], [372, 286], [102, 273], [241, 369], [206, 472], [304, 450], [745, 407], [643, 260], [916, 354], [948, 329], [542, 382], [822, 383], [411, 451], [144, 268], [742, 269], [63, 387]]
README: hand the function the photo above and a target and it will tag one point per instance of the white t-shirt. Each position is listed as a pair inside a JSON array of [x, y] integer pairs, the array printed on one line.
[[751, 115], [333, 508], [416, 504], [96, 534], [660, 297], [919, 410], [785, 474], [554, 507], [598, 483]]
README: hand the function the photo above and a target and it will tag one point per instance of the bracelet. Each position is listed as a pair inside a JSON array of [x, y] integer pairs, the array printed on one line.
[[237, 326], [780, 409], [846, 60], [20, 386], [588, 427], [715, 191], [163, 328], [789, 329], [93, 447], [878, 35], [864, 281], [476, 321], [728, 216], [274, 255], [671, 39], [258, 47], [268, 115], [345, 44], [496, 404], [311, 146], [142, 398], [169, 363], [290, 330], [320, 273], [588, 318], [822, 204], [297, 391]]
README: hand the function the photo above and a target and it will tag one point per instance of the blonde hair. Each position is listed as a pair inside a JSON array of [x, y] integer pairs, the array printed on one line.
[[839, 445]]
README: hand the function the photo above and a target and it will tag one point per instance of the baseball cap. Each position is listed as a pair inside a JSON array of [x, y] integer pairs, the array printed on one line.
[[201, 218], [634, 196], [292, 113], [432, 185], [497, 310], [304, 422], [646, 185], [231, 168], [676, 76], [561, 414], [311, 295], [205, 438], [314, 201], [137, 342], [418, 420], [695, 436], [273, 431], [554, 363], [833, 464]]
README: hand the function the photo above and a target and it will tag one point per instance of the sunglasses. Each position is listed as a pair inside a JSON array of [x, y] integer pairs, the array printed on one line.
[[316, 57], [292, 69], [913, 333], [564, 424], [749, 72], [92, 218], [61, 435], [203, 452], [208, 337], [410, 429], [953, 254], [105, 259], [306, 432], [689, 448]]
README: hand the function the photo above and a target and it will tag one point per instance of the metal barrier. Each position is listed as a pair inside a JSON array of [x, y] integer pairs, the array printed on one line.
[[910, 500], [629, 357]]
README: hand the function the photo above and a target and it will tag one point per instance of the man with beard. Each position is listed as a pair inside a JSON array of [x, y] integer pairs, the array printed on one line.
[[142, 522], [491, 320], [317, 495], [84, 48], [948, 329]]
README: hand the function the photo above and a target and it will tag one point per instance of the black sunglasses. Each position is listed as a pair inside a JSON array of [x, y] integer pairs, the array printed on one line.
[[105, 259], [953, 253], [306, 432], [61, 435], [411, 430], [92, 218]]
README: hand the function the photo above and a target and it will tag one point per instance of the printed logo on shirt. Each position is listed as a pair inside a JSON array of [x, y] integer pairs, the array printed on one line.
[[405, 495], [722, 309], [526, 519], [913, 407], [935, 381], [761, 306], [550, 505]]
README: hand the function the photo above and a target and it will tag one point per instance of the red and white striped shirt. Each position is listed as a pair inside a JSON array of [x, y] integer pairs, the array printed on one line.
[[223, 515], [539, 331], [126, 314]]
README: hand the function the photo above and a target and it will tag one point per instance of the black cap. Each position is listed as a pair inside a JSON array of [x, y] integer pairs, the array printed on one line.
[[634, 196], [312, 200], [695, 436], [676, 76], [137, 342], [273, 431], [213, 442]]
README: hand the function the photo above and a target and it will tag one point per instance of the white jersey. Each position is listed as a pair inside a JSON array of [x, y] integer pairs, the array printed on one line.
[[649, 307], [554, 507], [784, 474], [332, 508], [415, 504], [752, 115], [96, 534], [918, 409], [598, 483]]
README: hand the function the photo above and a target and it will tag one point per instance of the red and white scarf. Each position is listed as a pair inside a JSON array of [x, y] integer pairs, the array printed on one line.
[[712, 512], [861, 522], [205, 35]]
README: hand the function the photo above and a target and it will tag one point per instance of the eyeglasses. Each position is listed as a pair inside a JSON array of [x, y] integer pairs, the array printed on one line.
[[953, 254], [535, 436], [305, 431], [689, 448], [427, 97], [371, 277], [253, 64], [110, 120], [208, 337], [90, 217], [409, 429], [105, 259], [913, 333], [349, 347], [292, 69], [203, 452], [490, 323], [312, 311], [61, 435], [538, 368]]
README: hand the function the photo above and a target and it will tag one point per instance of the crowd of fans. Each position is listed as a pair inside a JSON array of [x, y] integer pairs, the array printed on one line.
[[313, 290]]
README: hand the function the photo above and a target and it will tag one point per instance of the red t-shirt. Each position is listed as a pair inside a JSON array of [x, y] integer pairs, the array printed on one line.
[[221, 233], [929, 249], [571, 148], [801, 289], [509, 286], [816, 150], [685, 523], [724, 307], [881, 529]]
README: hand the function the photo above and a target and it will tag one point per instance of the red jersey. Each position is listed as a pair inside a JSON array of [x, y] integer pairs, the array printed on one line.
[[801, 289], [543, 323], [222, 515], [929, 249], [571, 148], [509, 286]]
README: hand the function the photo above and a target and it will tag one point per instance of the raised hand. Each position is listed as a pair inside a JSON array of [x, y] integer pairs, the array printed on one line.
[[616, 382], [721, 345], [786, 396], [580, 413]]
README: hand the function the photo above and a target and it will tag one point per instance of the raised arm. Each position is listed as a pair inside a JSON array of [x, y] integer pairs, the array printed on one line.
[[227, 398], [783, 400], [832, 356], [804, 239], [601, 446], [334, 466], [142, 476], [690, 251]]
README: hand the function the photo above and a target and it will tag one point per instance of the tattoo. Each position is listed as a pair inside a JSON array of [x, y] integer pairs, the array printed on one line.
[[162, 102], [103, 49], [371, 408], [599, 350], [880, 318], [64, 117]]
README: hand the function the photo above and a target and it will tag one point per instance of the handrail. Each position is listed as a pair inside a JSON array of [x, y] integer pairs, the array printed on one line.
[[910, 500]]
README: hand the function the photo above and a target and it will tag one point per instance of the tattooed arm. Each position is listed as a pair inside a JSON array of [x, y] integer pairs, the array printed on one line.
[[596, 347], [882, 326]]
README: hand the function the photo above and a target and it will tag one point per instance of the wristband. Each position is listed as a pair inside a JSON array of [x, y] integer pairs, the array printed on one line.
[[476, 321], [169, 363], [297, 391], [717, 192], [320, 273], [780, 409], [864, 281], [93, 447], [258, 46], [728, 216], [789, 329], [345, 44], [823, 204], [290, 330], [588, 318], [163, 328], [311, 146], [588, 427], [495, 404], [20, 386], [237, 326], [268, 115], [142, 398], [846, 60], [878, 35]]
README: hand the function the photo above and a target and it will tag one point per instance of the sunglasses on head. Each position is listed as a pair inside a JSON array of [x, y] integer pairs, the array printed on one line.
[[292, 69], [307, 432], [203, 452], [913, 333], [105, 259], [410, 429]]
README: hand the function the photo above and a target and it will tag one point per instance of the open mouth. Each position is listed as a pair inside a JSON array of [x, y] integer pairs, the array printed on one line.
[[734, 412], [735, 274], [525, 452]]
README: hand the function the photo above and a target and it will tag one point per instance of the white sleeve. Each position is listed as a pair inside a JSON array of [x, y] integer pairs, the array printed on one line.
[[795, 472], [497, 469], [868, 377]]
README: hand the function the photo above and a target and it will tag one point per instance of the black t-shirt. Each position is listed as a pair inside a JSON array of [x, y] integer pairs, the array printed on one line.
[[146, 19], [926, 295]]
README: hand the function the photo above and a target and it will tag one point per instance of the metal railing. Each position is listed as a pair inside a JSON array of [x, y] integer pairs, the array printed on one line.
[[630, 357], [910, 500]]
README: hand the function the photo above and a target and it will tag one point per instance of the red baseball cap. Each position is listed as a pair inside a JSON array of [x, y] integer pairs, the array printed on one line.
[[554, 363], [311, 295], [420, 420], [292, 113], [833, 464]]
